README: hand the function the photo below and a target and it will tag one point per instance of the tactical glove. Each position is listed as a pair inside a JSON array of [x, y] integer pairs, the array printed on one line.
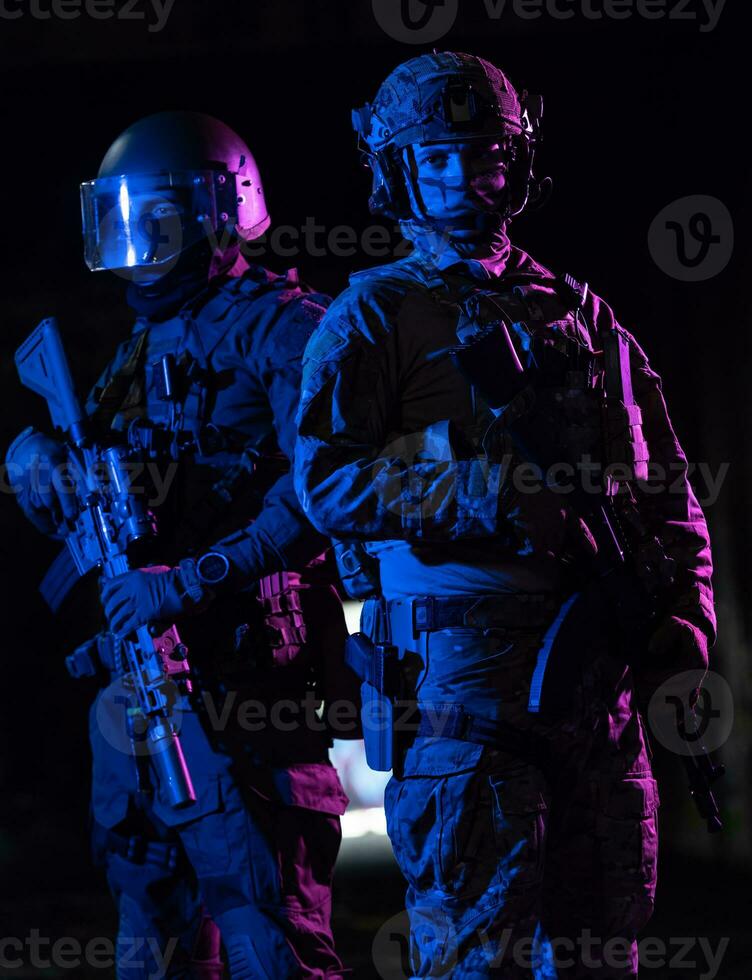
[[154, 594], [677, 646]]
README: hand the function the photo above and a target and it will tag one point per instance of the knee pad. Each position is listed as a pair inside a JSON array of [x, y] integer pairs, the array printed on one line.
[[256, 946], [163, 929], [145, 951]]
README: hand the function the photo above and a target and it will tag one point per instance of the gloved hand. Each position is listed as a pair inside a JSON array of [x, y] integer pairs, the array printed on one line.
[[37, 470], [676, 646], [154, 594]]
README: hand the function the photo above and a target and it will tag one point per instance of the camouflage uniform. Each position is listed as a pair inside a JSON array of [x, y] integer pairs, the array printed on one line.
[[553, 835]]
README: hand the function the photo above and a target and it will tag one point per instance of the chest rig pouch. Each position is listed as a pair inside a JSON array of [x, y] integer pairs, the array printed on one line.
[[178, 389], [570, 403], [167, 411], [163, 397], [564, 396], [165, 379]]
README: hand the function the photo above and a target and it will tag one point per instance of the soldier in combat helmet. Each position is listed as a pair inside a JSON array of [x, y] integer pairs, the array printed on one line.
[[528, 843]]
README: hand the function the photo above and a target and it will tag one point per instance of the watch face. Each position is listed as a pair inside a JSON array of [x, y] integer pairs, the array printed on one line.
[[212, 568]]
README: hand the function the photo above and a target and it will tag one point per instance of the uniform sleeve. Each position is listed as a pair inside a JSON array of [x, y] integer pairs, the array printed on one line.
[[354, 476], [668, 502], [280, 537]]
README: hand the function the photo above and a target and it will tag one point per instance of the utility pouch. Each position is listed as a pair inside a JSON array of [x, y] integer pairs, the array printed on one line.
[[279, 595], [88, 659], [358, 571], [377, 666]]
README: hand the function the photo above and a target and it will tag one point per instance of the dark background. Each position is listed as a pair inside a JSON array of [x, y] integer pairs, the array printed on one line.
[[638, 114]]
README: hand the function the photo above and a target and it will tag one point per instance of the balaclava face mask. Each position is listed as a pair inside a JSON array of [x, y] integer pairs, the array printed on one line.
[[190, 275]]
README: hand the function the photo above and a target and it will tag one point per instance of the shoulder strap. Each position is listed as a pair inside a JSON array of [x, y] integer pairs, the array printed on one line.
[[120, 388]]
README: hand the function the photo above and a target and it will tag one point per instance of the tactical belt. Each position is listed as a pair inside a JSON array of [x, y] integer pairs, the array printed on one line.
[[452, 721], [513, 610]]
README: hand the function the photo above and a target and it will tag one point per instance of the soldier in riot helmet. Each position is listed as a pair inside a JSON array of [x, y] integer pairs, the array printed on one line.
[[511, 823], [206, 389]]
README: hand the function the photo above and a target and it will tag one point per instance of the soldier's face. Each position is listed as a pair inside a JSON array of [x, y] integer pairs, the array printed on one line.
[[142, 233], [456, 181]]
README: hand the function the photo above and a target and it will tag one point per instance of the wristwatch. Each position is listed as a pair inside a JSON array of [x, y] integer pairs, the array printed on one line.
[[212, 568], [204, 574]]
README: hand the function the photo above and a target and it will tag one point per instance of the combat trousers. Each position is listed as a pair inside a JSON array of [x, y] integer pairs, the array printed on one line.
[[246, 861], [538, 865]]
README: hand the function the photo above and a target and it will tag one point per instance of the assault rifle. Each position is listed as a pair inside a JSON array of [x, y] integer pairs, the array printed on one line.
[[110, 518]]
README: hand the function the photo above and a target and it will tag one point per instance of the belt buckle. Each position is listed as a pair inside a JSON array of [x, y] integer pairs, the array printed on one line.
[[424, 614]]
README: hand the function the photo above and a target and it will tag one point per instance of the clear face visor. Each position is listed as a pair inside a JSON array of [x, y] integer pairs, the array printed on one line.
[[138, 222]]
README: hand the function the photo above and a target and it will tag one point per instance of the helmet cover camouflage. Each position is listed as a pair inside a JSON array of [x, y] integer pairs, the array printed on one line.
[[441, 97]]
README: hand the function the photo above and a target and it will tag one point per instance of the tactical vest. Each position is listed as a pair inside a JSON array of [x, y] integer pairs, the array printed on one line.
[[550, 330], [160, 401], [174, 386]]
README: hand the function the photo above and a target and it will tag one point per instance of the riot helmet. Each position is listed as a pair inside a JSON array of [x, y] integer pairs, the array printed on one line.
[[169, 182]]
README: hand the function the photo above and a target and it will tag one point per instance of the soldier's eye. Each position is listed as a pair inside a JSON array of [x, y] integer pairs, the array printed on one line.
[[166, 210], [160, 208]]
